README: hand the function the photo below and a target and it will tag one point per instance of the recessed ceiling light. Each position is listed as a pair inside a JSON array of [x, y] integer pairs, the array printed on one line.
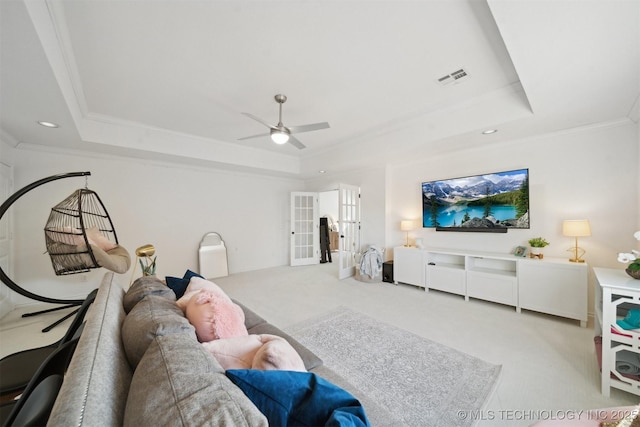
[[322, 171], [489, 131], [48, 124]]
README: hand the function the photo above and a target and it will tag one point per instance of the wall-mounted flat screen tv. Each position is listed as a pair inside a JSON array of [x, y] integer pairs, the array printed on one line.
[[493, 202]]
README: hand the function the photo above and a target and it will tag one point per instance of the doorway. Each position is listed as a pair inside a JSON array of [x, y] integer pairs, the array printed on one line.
[[328, 208], [305, 229]]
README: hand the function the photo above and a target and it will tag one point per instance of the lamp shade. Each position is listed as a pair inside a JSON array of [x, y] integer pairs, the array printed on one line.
[[406, 225], [576, 228]]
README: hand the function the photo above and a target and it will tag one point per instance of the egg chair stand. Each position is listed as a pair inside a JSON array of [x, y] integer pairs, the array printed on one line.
[[70, 247]]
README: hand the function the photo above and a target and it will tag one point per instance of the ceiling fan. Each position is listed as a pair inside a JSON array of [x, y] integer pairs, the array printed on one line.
[[281, 134]]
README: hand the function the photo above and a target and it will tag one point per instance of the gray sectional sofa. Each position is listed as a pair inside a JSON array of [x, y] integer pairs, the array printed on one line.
[[138, 363]]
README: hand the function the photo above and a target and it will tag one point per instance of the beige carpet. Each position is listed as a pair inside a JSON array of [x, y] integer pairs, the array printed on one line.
[[419, 381]]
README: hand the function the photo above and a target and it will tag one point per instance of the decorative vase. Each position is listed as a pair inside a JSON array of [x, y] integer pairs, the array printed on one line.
[[536, 252], [633, 273]]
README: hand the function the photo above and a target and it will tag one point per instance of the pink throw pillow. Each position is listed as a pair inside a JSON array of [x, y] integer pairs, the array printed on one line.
[[214, 316], [264, 352], [196, 284], [66, 235]]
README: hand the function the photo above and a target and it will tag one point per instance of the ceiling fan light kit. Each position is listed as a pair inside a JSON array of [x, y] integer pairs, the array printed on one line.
[[281, 134]]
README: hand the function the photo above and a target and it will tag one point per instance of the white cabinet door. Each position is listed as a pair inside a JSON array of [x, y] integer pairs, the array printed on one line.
[[408, 266], [446, 272], [492, 279], [447, 278], [494, 287], [558, 288]]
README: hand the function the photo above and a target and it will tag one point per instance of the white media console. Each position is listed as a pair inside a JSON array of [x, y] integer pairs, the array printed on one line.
[[551, 285]]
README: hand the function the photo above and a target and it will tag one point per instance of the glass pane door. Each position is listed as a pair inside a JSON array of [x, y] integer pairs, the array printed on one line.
[[305, 235], [349, 220]]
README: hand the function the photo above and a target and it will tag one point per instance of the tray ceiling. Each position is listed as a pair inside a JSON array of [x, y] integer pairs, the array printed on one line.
[[170, 79]]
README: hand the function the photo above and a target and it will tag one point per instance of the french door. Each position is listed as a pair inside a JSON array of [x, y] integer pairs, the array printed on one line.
[[305, 234], [305, 229], [349, 222]]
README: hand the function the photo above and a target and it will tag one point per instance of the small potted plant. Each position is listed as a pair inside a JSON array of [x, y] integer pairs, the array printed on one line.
[[633, 259], [537, 243]]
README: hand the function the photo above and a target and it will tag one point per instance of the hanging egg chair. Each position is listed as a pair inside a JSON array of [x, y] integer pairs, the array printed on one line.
[[80, 236]]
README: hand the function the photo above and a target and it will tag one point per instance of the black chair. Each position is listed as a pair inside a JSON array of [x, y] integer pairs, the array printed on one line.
[[17, 369], [36, 402]]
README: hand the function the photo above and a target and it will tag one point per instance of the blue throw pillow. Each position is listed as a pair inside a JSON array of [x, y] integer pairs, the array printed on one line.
[[179, 285], [289, 398], [189, 274]]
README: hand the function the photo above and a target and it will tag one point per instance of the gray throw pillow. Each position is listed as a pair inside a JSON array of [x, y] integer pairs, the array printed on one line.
[[143, 286], [178, 383], [151, 317]]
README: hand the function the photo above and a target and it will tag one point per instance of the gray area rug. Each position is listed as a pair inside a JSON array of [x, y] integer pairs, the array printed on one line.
[[420, 382]]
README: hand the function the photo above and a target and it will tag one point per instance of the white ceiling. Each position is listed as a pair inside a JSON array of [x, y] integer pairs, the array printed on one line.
[[169, 79]]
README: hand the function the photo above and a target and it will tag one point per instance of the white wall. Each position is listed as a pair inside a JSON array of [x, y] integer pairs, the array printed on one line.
[[6, 189], [328, 204], [6, 149], [169, 206], [590, 173], [635, 116]]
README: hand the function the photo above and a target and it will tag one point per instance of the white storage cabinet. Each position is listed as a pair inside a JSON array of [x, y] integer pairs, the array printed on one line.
[[408, 266], [446, 272], [552, 285], [615, 293]]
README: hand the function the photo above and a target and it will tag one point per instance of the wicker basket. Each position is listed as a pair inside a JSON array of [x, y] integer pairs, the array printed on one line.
[[66, 236]]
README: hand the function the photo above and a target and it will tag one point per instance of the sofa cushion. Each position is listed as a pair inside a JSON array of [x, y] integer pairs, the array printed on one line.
[[177, 383], [153, 316], [143, 286], [308, 357], [290, 398]]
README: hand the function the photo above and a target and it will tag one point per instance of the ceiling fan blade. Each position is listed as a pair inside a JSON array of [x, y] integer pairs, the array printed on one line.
[[308, 128], [253, 136], [258, 119], [296, 143]]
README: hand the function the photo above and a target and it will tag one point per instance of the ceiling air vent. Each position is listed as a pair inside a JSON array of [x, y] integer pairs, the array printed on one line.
[[455, 77]]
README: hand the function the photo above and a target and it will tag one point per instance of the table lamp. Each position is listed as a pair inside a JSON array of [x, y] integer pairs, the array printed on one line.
[[406, 225], [576, 228]]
